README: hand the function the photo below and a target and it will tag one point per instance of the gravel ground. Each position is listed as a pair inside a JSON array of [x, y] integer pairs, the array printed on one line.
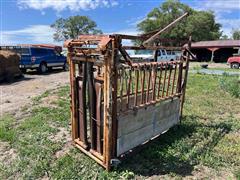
[[16, 95]]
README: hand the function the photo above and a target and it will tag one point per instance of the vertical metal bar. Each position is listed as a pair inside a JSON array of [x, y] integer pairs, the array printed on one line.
[[164, 80], [136, 86], [129, 88], [169, 78], [115, 58], [80, 70], [121, 89], [154, 82], [159, 81], [92, 103], [132, 84], [142, 85], [73, 98], [174, 77], [98, 87], [107, 115], [149, 82], [83, 106], [185, 77], [126, 82], [179, 82]]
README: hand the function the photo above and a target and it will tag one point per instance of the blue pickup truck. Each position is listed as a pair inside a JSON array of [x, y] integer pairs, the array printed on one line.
[[42, 58]]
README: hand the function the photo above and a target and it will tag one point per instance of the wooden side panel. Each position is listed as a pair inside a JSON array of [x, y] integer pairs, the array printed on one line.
[[138, 127]]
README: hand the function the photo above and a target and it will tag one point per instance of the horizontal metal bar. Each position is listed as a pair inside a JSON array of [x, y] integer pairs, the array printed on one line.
[[98, 155], [90, 155], [150, 103], [139, 65], [132, 37], [151, 47]]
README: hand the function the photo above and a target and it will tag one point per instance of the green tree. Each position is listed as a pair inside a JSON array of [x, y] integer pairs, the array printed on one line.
[[73, 26], [224, 37], [200, 25], [236, 34]]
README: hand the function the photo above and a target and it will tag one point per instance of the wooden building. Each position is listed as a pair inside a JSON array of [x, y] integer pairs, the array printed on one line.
[[216, 51]]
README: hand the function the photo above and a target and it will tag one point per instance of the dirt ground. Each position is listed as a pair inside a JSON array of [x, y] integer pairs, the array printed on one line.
[[16, 95]]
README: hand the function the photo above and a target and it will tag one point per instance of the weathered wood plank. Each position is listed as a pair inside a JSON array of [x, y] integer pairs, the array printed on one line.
[[129, 141], [137, 127]]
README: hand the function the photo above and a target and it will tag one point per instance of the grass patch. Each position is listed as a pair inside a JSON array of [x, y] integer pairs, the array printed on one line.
[[31, 138], [38, 98], [223, 67], [208, 136], [231, 84], [226, 69], [6, 131]]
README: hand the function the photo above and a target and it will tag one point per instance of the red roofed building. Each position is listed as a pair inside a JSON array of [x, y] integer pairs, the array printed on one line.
[[217, 51]]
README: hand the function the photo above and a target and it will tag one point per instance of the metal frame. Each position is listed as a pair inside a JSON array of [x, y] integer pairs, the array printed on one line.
[[105, 84]]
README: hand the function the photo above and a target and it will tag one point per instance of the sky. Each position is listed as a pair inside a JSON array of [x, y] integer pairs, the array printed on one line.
[[28, 21]]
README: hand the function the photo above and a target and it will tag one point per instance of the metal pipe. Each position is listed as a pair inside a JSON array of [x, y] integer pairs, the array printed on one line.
[[92, 104], [151, 39]]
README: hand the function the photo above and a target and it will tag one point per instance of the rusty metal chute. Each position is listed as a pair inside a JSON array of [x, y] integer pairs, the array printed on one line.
[[116, 105]]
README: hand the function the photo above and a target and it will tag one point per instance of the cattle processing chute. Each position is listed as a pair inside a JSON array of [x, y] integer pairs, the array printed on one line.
[[117, 105]]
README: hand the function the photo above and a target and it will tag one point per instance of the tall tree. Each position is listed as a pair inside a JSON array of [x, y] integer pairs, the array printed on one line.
[[236, 34], [200, 24], [73, 26], [224, 37]]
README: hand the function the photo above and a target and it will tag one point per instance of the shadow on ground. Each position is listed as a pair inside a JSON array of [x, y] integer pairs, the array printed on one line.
[[16, 79], [176, 151], [30, 75]]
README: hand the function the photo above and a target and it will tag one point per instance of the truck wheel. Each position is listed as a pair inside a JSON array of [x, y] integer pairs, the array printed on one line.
[[66, 67], [42, 68], [235, 65]]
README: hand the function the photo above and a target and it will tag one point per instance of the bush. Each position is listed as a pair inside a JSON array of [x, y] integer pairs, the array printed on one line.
[[230, 84]]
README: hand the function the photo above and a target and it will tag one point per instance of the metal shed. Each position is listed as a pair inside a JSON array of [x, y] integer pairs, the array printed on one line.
[[217, 51]]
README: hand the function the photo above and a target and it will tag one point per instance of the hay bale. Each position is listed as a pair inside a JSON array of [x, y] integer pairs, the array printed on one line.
[[9, 64]]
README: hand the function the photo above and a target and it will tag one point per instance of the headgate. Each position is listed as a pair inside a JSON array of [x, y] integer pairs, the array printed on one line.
[[117, 105]]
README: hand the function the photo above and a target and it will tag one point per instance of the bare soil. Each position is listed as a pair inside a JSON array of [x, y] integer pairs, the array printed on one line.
[[7, 154], [16, 95]]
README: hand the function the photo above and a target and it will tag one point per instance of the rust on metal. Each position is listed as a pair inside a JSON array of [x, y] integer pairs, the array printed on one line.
[[107, 88]]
